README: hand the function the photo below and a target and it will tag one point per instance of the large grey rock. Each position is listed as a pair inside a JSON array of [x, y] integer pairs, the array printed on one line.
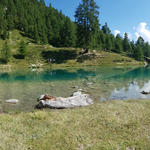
[[77, 100]]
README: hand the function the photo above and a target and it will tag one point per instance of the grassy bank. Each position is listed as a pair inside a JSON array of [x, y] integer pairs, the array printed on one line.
[[120, 125], [63, 57]]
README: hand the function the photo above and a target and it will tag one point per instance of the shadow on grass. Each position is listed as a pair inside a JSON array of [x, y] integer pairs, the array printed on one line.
[[59, 56], [18, 56], [3, 61]]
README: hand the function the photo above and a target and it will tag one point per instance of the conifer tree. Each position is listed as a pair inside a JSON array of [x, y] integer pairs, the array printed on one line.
[[68, 34], [23, 49], [138, 53], [106, 29], [140, 41], [6, 54], [36, 35], [86, 18], [126, 43], [102, 38], [146, 49], [118, 44], [108, 43]]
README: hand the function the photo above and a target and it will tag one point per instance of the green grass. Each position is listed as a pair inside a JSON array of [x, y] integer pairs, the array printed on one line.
[[65, 57], [118, 125]]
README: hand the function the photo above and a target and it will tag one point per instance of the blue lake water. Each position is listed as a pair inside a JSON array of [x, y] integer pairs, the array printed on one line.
[[101, 83]]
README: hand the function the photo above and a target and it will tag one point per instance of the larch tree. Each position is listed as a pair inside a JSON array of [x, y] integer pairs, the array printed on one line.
[[6, 54], [126, 43], [106, 29], [86, 18], [138, 53], [118, 44], [23, 49]]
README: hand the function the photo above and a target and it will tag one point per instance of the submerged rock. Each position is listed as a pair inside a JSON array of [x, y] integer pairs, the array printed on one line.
[[145, 93], [12, 101], [77, 100]]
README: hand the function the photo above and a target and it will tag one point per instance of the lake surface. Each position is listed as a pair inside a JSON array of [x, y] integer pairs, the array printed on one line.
[[102, 83]]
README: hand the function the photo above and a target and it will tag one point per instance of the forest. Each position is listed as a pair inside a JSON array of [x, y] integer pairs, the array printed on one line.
[[46, 25]]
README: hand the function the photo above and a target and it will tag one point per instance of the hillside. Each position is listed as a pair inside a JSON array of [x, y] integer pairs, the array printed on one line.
[[42, 23], [61, 57], [47, 25]]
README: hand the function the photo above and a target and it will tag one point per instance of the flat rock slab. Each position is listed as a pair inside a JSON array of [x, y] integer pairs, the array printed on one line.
[[12, 101], [77, 100]]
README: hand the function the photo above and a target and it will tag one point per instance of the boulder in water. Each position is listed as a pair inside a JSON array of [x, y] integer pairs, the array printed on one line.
[[77, 100]]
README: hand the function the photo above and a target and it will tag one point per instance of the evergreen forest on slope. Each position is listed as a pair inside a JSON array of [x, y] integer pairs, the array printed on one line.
[[46, 25]]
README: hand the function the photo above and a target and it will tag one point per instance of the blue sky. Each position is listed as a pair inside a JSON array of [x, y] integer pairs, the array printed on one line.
[[131, 16]]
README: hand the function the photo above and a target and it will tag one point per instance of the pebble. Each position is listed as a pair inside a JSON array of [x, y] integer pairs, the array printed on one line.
[[12, 101]]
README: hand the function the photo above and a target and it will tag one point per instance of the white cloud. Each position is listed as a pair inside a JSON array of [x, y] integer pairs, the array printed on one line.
[[143, 31], [137, 35], [130, 36], [116, 32]]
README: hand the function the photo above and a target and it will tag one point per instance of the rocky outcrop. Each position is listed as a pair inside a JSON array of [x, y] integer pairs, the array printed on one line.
[[77, 100]]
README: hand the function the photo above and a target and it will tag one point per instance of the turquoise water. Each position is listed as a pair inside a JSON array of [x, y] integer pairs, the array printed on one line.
[[101, 83]]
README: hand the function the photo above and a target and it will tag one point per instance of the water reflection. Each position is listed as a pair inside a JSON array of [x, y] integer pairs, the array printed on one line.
[[133, 92], [138, 73], [104, 83], [49, 75], [132, 83]]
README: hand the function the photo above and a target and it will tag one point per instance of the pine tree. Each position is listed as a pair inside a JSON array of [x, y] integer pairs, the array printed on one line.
[[140, 41], [106, 29], [6, 54], [126, 44], [68, 34], [102, 37], [108, 43], [86, 18], [36, 35], [22, 49], [118, 44], [138, 53], [146, 49], [44, 37]]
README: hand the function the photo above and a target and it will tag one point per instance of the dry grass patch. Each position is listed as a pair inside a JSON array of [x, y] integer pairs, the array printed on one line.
[[110, 125]]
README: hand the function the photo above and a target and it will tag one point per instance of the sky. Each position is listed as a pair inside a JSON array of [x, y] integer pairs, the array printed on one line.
[[130, 16]]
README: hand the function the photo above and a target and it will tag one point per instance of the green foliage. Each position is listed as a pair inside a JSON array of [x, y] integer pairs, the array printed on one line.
[[86, 18], [106, 29], [138, 53], [68, 34], [126, 43], [140, 41], [6, 54], [108, 43], [146, 49], [46, 25], [39, 22], [23, 49], [118, 44]]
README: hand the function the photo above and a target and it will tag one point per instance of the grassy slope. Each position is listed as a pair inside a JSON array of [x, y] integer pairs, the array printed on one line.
[[119, 125], [35, 55], [109, 125]]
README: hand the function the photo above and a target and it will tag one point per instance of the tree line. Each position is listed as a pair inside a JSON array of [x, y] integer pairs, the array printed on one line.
[[46, 25]]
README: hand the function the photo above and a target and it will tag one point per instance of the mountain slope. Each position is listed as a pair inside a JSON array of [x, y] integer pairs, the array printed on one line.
[[60, 57]]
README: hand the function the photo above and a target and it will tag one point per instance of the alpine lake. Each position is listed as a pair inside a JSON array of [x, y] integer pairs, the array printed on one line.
[[101, 83]]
